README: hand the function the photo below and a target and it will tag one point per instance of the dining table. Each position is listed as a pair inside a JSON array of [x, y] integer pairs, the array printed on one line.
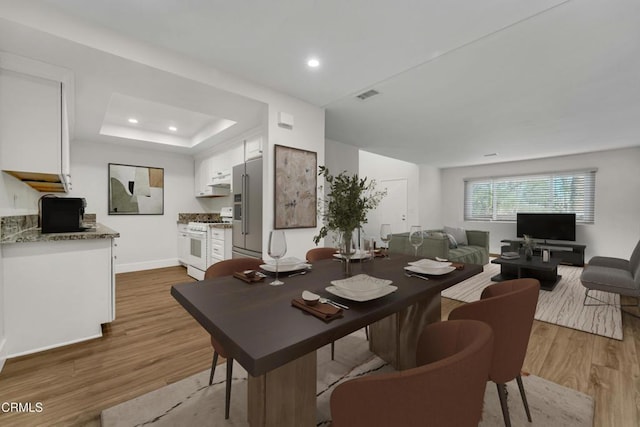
[[276, 342]]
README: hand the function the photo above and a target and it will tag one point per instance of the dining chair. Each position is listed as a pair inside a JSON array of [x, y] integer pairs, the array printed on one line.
[[446, 389], [317, 254], [508, 307], [219, 269]]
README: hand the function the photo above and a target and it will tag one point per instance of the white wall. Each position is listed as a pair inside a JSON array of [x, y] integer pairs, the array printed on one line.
[[374, 166], [617, 226], [340, 157], [429, 198], [146, 241], [307, 134]]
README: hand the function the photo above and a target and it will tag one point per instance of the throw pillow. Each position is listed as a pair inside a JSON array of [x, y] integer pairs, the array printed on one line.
[[459, 233], [453, 243]]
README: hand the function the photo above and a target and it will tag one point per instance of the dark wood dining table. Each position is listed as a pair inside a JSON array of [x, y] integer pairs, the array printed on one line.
[[276, 343]]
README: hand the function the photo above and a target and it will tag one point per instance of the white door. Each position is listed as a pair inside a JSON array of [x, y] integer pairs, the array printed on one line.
[[393, 207]]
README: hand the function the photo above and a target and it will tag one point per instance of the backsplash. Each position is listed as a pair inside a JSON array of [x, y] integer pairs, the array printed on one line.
[[10, 225], [184, 218]]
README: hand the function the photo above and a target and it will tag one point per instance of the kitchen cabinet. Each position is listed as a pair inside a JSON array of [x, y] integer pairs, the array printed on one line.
[[219, 244], [57, 292], [34, 130], [183, 244]]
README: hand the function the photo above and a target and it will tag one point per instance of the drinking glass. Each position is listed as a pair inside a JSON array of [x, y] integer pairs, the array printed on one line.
[[385, 236], [277, 249], [416, 238]]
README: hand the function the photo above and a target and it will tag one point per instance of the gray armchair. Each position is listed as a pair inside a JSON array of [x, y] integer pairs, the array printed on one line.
[[616, 275]]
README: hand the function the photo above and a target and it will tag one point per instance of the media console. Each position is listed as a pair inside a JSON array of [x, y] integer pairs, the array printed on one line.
[[567, 253]]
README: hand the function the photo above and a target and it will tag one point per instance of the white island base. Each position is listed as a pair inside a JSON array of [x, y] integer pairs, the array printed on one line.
[[56, 293]]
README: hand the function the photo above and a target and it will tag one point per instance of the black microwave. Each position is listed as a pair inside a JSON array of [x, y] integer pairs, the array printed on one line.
[[62, 214]]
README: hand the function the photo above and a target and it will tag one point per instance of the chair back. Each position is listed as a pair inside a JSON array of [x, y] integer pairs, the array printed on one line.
[[508, 307], [230, 266], [634, 263], [447, 391], [316, 254]]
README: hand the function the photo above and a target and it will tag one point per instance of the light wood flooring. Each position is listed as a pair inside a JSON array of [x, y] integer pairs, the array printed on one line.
[[154, 342]]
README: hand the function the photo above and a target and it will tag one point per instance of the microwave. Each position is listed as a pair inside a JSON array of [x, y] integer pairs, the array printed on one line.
[[62, 214]]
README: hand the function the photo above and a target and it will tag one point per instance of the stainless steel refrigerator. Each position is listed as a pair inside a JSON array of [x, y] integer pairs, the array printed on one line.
[[247, 209]]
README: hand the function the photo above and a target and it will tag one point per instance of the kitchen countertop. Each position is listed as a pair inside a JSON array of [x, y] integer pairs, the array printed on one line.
[[184, 218], [23, 229], [220, 225]]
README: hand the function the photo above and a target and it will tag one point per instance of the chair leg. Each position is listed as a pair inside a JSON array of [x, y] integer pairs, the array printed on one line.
[[502, 394], [366, 332], [332, 349], [524, 397], [213, 366], [227, 397]]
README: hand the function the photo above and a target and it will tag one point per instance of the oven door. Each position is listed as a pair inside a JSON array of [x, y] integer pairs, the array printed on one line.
[[197, 249]]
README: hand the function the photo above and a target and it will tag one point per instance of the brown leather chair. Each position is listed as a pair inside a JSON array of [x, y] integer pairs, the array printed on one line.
[[446, 389], [316, 254], [508, 307], [219, 269]]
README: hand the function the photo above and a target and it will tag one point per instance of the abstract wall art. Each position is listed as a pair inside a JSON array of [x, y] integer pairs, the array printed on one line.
[[295, 204], [135, 190]]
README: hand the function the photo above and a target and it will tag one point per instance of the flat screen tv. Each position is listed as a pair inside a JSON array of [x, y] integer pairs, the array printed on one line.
[[547, 226]]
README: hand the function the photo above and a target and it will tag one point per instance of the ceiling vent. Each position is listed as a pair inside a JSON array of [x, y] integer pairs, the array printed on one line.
[[367, 94]]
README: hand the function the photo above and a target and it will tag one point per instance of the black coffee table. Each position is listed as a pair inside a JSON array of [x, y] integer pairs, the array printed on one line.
[[545, 272]]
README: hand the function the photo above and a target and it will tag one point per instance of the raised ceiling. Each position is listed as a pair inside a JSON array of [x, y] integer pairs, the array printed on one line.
[[457, 79]]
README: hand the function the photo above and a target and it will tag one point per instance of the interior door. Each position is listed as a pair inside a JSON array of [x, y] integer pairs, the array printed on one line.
[[393, 207]]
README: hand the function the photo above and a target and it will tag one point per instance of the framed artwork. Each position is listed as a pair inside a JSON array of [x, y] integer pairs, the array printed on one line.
[[135, 190], [295, 204]]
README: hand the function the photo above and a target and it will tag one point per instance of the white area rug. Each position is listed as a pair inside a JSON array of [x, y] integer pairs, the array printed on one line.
[[563, 306], [191, 402]]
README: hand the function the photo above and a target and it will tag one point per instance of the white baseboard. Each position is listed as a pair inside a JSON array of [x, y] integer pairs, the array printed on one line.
[[3, 353], [147, 265]]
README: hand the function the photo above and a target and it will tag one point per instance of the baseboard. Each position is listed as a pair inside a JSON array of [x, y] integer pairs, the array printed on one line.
[[147, 265], [3, 353]]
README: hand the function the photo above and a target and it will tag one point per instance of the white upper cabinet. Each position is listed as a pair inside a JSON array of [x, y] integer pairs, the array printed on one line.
[[34, 131]]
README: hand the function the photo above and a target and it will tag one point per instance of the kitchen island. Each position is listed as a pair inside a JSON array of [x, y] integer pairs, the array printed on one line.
[[59, 288]]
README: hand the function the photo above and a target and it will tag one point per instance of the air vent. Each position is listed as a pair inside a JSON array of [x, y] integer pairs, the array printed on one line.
[[368, 94]]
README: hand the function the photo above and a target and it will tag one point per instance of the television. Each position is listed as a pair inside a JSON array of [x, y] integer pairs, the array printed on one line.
[[547, 226]]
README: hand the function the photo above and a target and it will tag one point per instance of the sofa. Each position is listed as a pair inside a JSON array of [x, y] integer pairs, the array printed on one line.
[[437, 244]]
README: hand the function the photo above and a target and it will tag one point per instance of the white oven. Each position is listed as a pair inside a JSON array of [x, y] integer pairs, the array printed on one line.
[[197, 244]]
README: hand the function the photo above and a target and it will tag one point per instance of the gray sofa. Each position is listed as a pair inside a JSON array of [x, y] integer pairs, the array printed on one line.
[[614, 275], [436, 244]]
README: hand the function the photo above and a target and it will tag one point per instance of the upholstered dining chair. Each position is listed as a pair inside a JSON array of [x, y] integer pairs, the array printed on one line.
[[508, 307], [446, 389], [317, 254], [219, 269]]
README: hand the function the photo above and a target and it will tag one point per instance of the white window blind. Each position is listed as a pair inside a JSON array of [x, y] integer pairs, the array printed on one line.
[[501, 198]]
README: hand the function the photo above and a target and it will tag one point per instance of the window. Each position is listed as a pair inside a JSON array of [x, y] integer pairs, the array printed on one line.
[[501, 198]]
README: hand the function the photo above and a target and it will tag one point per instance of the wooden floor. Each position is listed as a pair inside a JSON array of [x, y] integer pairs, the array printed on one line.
[[154, 342]]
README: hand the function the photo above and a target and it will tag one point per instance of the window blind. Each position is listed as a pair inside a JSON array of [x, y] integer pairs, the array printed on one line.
[[501, 198]]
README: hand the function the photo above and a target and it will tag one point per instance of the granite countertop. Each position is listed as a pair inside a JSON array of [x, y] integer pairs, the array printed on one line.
[[220, 225], [35, 235], [184, 218]]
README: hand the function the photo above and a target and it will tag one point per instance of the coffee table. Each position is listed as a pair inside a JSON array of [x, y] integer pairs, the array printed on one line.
[[545, 272]]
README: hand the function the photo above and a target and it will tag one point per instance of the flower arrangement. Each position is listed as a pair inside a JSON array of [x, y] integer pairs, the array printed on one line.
[[345, 206], [529, 245]]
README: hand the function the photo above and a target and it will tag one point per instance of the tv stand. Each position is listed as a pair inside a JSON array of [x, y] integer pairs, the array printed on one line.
[[567, 253]]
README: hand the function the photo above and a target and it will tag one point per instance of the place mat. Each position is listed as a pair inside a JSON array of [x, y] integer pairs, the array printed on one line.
[[326, 312], [249, 279]]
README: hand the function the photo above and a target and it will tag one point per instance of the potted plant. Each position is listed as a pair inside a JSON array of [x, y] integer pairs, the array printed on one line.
[[345, 206], [529, 245]]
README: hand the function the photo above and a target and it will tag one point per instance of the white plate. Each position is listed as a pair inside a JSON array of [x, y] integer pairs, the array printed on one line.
[[357, 255], [286, 261], [362, 297], [429, 263], [361, 283], [430, 271], [284, 268]]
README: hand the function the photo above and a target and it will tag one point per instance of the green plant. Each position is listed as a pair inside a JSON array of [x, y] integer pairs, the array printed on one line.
[[346, 204]]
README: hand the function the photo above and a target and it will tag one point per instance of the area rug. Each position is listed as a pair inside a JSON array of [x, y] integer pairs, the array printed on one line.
[[563, 306], [192, 402]]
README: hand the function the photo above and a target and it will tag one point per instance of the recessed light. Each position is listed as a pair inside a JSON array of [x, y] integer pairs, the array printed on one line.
[[173, 128], [132, 120], [313, 63]]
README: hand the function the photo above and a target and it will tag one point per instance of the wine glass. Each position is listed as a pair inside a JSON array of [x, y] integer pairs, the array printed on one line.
[[416, 238], [277, 249], [385, 236]]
